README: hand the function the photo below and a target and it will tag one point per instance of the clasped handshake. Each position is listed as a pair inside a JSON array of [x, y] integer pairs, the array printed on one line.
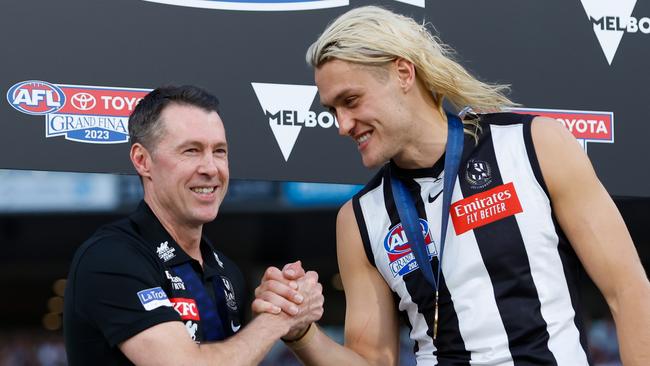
[[293, 294]]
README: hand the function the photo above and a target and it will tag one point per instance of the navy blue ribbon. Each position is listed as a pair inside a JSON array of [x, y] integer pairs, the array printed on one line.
[[406, 207], [212, 314]]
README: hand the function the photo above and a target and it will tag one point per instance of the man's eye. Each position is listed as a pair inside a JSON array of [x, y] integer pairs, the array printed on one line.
[[350, 101]]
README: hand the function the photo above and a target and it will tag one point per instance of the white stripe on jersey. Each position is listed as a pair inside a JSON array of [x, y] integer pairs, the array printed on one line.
[[374, 212], [480, 326], [546, 268]]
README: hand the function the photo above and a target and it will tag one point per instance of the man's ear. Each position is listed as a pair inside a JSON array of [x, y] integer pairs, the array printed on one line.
[[141, 159], [405, 73]]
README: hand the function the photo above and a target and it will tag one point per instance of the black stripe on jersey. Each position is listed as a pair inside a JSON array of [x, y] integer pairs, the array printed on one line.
[[449, 343], [532, 155], [572, 272], [361, 221], [569, 259], [504, 255]]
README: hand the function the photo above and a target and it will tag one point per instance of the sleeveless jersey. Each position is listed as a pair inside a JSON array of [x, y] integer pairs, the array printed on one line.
[[508, 292]]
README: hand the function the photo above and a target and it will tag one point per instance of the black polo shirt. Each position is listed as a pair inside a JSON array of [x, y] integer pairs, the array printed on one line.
[[125, 279]]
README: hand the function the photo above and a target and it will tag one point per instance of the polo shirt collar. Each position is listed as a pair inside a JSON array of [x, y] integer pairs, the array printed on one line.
[[164, 246]]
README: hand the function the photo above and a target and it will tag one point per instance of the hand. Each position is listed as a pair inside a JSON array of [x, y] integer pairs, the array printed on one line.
[[311, 308], [278, 290], [293, 291]]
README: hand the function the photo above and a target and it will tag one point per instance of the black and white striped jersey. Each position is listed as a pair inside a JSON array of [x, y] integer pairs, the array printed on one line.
[[508, 286]]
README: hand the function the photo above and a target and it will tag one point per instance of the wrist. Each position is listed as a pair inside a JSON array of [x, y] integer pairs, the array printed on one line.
[[303, 339], [274, 324]]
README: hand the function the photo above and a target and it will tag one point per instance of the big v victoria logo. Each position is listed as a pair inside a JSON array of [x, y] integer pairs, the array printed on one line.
[[586, 126], [611, 19], [286, 108], [267, 5], [81, 113]]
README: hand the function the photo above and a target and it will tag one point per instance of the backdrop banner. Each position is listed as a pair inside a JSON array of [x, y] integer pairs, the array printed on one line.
[[73, 70]]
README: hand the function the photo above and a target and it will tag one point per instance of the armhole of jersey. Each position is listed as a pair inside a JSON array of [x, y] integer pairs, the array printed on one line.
[[532, 154], [363, 230]]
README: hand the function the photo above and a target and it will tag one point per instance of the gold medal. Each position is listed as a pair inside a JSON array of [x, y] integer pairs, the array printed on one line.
[[435, 318]]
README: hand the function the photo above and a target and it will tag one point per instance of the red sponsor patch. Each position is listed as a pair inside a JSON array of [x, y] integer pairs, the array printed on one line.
[[586, 125], [485, 207], [186, 308]]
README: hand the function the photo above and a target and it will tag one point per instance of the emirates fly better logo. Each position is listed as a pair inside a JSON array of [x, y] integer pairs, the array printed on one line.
[[611, 19]]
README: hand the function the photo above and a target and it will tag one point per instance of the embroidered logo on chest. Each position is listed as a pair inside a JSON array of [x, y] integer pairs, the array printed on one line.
[[478, 174], [485, 207], [165, 252], [229, 293], [397, 246], [176, 282]]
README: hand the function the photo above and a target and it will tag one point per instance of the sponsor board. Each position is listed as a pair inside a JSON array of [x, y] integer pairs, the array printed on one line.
[[485, 207], [81, 113], [613, 19], [267, 5], [398, 248], [286, 108], [586, 126]]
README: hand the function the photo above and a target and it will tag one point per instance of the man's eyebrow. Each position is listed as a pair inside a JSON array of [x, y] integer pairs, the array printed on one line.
[[198, 144], [337, 97]]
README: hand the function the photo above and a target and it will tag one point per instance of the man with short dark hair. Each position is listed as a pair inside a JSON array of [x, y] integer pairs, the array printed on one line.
[[150, 289]]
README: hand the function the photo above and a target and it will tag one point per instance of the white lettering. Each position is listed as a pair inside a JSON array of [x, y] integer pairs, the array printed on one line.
[[118, 103], [311, 119], [325, 119]]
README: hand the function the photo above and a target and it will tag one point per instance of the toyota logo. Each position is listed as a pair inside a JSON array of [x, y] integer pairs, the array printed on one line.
[[83, 101]]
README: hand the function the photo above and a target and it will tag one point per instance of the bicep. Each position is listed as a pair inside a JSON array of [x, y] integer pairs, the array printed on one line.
[[584, 209], [371, 324]]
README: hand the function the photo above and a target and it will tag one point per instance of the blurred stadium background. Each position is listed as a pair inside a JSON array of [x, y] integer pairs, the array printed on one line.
[[45, 216]]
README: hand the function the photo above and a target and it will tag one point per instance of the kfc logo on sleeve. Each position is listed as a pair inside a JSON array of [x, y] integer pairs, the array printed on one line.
[[186, 308]]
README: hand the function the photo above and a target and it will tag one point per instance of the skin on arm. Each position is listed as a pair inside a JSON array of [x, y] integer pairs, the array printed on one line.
[[598, 234], [371, 324], [169, 344]]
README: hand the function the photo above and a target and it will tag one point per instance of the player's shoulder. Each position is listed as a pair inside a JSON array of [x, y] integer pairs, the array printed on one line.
[[505, 118], [113, 243], [373, 183]]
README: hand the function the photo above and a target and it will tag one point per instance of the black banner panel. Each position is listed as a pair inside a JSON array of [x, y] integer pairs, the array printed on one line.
[[73, 70]]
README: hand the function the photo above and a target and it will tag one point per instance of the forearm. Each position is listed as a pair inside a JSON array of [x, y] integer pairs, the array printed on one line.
[[321, 350], [631, 312], [248, 346]]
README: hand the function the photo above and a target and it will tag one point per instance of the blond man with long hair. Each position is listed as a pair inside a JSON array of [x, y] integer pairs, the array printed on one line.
[[526, 210]]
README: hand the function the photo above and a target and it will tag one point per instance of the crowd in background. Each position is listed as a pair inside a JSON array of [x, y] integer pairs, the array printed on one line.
[[41, 348]]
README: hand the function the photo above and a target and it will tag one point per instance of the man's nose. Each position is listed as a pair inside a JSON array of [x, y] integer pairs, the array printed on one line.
[[346, 123], [209, 165]]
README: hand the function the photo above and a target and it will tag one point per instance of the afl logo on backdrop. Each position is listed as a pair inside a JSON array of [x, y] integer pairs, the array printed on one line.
[[36, 97]]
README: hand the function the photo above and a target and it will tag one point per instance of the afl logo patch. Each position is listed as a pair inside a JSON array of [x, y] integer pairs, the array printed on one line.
[[478, 174]]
